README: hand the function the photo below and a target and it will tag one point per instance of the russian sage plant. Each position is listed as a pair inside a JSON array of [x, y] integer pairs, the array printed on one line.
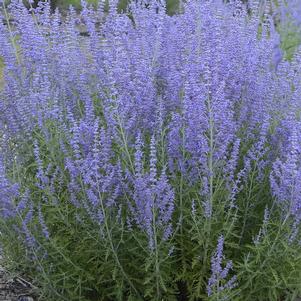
[[150, 157]]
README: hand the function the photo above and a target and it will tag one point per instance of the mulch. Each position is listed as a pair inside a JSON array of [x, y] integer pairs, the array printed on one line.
[[14, 288]]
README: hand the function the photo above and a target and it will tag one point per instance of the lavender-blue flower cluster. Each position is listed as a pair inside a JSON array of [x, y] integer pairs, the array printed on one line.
[[115, 116]]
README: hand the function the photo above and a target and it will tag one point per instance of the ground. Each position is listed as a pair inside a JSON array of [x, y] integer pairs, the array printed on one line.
[[14, 288]]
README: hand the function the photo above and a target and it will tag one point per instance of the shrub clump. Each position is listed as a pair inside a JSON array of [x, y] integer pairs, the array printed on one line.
[[155, 157]]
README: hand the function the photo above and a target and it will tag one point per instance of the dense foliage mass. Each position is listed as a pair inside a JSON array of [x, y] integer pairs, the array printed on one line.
[[154, 157], [289, 26]]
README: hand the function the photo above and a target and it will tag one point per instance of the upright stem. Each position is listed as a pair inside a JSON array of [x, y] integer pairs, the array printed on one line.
[[11, 33], [157, 268], [110, 239], [108, 232], [41, 267], [267, 256], [211, 178], [125, 144], [181, 204], [247, 208], [211, 145]]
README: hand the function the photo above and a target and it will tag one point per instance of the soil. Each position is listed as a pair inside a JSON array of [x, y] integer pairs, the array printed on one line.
[[14, 288]]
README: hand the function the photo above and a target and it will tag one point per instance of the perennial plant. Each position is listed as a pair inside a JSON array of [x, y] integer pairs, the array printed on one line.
[[153, 157]]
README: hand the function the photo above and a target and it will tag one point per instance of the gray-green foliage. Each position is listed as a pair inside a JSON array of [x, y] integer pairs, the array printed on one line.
[[110, 259], [290, 38], [67, 267]]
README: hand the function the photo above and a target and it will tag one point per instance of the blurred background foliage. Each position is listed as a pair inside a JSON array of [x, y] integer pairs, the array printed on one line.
[[62, 5], [172, 5], [289, 29], [290, 39], [290, 32]]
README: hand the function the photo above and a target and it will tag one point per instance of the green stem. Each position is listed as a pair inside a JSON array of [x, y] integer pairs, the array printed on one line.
[[38, 262], [267, 256], [211, 178], [181, 205], [247, 207], [125, 144], [11, 33], [157, 268], [110, 239]]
